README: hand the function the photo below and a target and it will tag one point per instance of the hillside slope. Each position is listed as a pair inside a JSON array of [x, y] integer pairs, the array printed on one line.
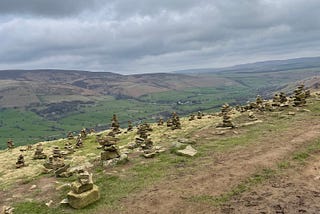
[[22, 88], [247, 169]]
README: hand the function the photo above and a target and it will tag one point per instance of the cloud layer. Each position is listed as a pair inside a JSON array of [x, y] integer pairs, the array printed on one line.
[[133, 36]]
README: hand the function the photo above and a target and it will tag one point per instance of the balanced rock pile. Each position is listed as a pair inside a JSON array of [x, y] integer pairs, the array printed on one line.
[[110, 150], [39, 154], [83, 191], [115, 124], [226, 119], [299, 96], [10, 144], [175, 121], [20, 162], [56, 163]]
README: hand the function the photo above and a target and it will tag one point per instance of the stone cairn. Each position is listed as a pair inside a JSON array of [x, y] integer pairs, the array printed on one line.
[[259, 103], [79, 142], [192, 117], [83, 191], [199, 115], [56, 163], [143, 130], [39, 154], [276, 100], [69, 148], [283, 98], [83, 133], [307, 93], [144, 141], [299, 96], [70, 136], [251, 115], [226, 119], [110, 150], [169, 122], [160, 122], [10, 144], [175, 121], [130, 127], [115, 124], [20, 162]]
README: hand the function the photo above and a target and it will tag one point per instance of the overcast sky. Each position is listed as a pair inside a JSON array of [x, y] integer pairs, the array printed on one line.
[[139, 36]]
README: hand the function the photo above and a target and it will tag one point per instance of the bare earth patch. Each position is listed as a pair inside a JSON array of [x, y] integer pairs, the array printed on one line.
[[293, 192], [219, 174]]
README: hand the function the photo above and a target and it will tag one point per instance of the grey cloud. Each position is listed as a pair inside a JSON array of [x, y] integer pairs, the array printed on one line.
[[150, 36], [46, 7]]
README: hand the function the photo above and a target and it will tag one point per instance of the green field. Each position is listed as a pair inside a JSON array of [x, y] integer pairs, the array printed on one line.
[[26, 127]]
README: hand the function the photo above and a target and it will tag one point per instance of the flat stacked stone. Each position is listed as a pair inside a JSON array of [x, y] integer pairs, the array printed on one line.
[[192, 117], [283, 98], [52, 163], [10, 144], [20, 162], [226, 119], [70, 136], [160, 122], [115, 124], [110, 150], [83, 191], [39, 154], [69, 148], [57, 152], [169, 122], [79, 142], [199, 115], [276, 100], [299, 96], [175, 121], [130, 127], [83, 133], [252, 116]]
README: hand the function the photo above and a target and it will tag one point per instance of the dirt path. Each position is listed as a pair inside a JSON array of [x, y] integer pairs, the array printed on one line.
[[219, 175], [293, 192], [42, 189]]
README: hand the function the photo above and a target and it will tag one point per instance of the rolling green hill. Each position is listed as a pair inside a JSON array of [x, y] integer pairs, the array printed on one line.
[[46, 104]]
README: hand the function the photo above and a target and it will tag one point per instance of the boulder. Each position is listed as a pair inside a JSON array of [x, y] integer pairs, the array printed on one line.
[[82, 200], [79, 188], [188, 151], [61, 170]]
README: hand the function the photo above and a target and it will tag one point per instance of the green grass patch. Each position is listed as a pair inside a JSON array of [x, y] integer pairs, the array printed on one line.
[[34, 208]]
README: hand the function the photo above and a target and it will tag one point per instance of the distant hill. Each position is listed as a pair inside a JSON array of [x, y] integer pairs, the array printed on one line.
[[21, 88], [265, 66], [45, 104]]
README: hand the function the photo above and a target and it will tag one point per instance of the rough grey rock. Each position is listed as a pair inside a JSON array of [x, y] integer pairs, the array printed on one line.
[[82, 200], [188, 151]]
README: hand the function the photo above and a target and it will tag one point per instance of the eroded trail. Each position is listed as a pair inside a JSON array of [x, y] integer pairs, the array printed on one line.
[[220, 173], [293, 192]]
